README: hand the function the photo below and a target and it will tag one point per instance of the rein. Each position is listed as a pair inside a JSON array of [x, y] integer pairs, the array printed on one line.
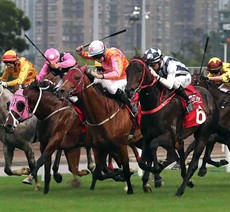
[[163, 104]]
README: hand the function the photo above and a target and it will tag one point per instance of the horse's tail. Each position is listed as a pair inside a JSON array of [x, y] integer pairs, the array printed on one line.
[[222, 130]]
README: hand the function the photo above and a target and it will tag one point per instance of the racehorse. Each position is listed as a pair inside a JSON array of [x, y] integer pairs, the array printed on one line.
[[162, 114], [222, 136], [22, 139], [109, 126], [59, 127]]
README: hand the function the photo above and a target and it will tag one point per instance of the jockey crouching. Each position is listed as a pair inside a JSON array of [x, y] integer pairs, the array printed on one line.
[[170, 72], [219, 74], [57, 63], [114, 64]]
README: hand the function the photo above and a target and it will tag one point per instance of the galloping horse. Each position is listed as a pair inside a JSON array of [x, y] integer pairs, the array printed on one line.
[[59, 127], [109, 126], [163, 114], [22, 139], [222, 136]]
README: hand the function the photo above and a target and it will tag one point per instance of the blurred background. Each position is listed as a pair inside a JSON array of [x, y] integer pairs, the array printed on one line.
[[178, 27]]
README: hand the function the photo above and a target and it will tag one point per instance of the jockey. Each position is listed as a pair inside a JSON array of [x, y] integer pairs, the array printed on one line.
[[20, 68], [219, 73], [170, 72], [57, 63], [114, 64]]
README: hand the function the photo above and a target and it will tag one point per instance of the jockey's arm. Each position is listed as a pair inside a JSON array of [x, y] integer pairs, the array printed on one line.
[[43, 72], [117, 68], [69, 61], [5, 75], [24, 69], [216, 78], [169, 81]]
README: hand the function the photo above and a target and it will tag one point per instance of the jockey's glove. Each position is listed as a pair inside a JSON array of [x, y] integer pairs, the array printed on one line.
[[204, 78], [154, 73], [4, 84], [80, 49]]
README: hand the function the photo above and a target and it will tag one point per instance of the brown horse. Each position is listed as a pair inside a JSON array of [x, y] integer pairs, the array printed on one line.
[[223, 133], [109, 126], [59, 127], [158, 120]]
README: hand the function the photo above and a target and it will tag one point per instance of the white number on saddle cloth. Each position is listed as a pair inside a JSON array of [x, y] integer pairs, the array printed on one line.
[[200, 115]]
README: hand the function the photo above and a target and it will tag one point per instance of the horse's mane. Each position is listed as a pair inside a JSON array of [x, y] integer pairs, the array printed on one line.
[[138, 56]]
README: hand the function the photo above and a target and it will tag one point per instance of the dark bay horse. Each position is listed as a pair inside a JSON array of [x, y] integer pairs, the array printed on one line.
[[109, 126], [59, 127], [165, 117], [222, 100], [22, 139]]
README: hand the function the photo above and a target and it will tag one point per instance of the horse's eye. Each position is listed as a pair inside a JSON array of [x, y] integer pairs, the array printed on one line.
[[20, 105], [76, 78]]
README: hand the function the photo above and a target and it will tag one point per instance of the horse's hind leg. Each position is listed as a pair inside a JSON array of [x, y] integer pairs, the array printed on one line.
[[73, 158], [56, 175]]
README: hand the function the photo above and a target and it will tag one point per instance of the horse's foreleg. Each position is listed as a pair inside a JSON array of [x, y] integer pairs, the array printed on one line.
[[193, 165], [47, 173], [56, 175], [32, 163], [8, 155], [90, 165], [126, 169]]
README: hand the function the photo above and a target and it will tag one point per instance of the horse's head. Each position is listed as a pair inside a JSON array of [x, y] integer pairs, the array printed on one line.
[[73, 83], [138, 76], [18, 111]]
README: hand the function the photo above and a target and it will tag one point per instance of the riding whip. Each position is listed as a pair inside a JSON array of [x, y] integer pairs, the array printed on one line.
[[37, 48], [205, 48], [116, 33]]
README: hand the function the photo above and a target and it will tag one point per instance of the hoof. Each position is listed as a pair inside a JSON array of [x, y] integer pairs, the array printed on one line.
[[91, 167], [75, 183], [176, 167], [26, 170], [158, 184], [223, 162], [83, 172], [147, 188], [57, 177], [190, 184], [28, 180], [202, 172]]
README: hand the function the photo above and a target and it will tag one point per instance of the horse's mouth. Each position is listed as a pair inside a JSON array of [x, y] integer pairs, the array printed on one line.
[[8, 128]]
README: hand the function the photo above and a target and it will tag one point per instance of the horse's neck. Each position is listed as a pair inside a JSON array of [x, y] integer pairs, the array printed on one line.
[[4, 98], [48, 103], [150, 97], [219, 95]]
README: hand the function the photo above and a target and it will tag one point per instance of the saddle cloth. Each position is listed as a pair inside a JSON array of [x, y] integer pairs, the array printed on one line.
[[197, 116], [81, 117]]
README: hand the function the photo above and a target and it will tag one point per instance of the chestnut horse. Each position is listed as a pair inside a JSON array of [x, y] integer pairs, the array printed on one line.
[[166, 118], [109, 126], [59, 127]]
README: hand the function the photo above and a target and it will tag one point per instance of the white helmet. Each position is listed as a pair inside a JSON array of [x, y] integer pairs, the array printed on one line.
[[153, 56], [96, 48]]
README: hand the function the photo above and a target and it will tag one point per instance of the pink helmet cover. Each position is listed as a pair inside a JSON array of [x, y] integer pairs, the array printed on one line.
[[52, 55]]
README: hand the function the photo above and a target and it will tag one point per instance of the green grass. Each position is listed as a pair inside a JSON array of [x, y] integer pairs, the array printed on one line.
[[211, 193]]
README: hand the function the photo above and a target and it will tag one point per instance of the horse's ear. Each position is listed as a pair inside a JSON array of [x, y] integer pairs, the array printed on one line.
[[83, 68]]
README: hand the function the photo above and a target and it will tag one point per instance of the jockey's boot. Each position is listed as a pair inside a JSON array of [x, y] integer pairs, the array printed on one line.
[[189, 107], [123, 98]]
